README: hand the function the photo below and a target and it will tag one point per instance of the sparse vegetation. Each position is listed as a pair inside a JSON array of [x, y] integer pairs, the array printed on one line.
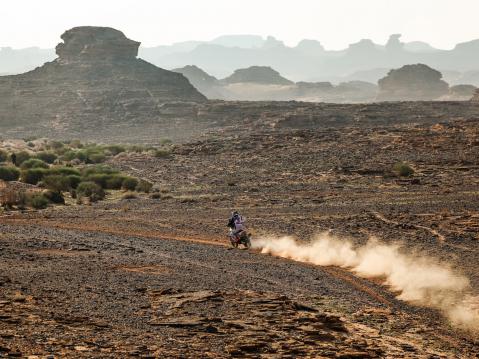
[[90, 190], [36, 200], [48, 157], [74, 168], [34, 163], [3, 156], [403, 169], [129, 183], [9, 173]]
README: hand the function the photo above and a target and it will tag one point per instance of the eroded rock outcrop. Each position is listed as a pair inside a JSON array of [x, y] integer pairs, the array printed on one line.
[[475, 98], [264, 75], [96, 79], [412, 83]]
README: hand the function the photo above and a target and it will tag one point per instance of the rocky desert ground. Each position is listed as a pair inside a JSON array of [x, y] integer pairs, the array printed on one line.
[[364, 218], [154, 276]]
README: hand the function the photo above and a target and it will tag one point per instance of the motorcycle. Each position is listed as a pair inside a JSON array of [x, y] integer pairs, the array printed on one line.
[[242, 237]]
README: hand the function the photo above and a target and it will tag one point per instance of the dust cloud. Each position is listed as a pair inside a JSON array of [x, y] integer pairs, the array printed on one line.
[[419, 280]]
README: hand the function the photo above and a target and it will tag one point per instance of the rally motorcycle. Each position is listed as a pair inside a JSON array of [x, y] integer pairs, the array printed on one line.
[[242, 237]]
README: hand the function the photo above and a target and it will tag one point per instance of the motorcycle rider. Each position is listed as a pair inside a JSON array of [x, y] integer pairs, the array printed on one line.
[[236, 223]]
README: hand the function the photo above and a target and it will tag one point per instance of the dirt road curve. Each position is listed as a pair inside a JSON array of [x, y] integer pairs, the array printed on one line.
[[77, 292]]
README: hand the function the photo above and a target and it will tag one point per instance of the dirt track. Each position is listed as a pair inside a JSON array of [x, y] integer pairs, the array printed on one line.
[[74, 292]]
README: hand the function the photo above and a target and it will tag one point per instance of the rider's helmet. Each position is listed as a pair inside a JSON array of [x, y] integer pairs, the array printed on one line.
[[234, 213]]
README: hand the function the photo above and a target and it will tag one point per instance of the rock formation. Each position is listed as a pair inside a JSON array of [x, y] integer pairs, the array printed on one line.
[[96, 78], [205, 83], [460, 93], [264, 75], [412, 83], [475, 98]]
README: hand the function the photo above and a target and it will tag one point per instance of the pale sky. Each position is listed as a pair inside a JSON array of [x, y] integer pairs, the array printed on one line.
[[336, 23]]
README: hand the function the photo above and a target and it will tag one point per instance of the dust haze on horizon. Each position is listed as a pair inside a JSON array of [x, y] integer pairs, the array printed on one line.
[[336, 23]]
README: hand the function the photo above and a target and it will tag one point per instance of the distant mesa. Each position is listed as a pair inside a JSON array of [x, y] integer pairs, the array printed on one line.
[[460, 93], [205, 83], [97, 75], [412, 83], [264, 75]]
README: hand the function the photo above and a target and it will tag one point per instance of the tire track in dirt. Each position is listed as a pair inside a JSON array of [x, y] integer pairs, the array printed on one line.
[[340, 274]]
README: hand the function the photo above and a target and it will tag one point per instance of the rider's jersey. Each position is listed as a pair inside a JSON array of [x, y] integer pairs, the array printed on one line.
[[239, 223]]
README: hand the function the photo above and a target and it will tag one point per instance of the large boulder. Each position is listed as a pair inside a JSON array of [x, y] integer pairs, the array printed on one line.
[[96, 79], [412, 83]]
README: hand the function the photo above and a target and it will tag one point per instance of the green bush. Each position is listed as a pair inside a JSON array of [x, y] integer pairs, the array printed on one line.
[[115, 181], [54, 196], [33, 163], [143, 186], [48, 157], [22, 156], [98, 169], [129, 183], [99, 178], [96, 157], [90, 190], [82, 155], [3, 156], [33, 175], [403, 169], [9, 173], [37, 200], [56, 183], [69, 155], [115, 149], [74, 181], [64, 171]]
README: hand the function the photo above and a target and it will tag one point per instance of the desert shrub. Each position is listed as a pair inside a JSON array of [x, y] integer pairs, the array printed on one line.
[[33, 175], [403, 169], [87, 171], [99, 178], [129, 183], [48, 157], [73, 181], [81, 155], [64, 171], [56, 183], [30, 144], [22, 156], [9, 173], [115, 149], [115, 181], [3, 156], [54, 196], [69, 155], [33, 163], [90, 190], [37, 200], [76, 144], [96, 157], [129, 195], [155, 195], [144, 186], [162, 153]]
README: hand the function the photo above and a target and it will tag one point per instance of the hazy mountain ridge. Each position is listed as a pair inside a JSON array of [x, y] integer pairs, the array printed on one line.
[[307, 61]]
